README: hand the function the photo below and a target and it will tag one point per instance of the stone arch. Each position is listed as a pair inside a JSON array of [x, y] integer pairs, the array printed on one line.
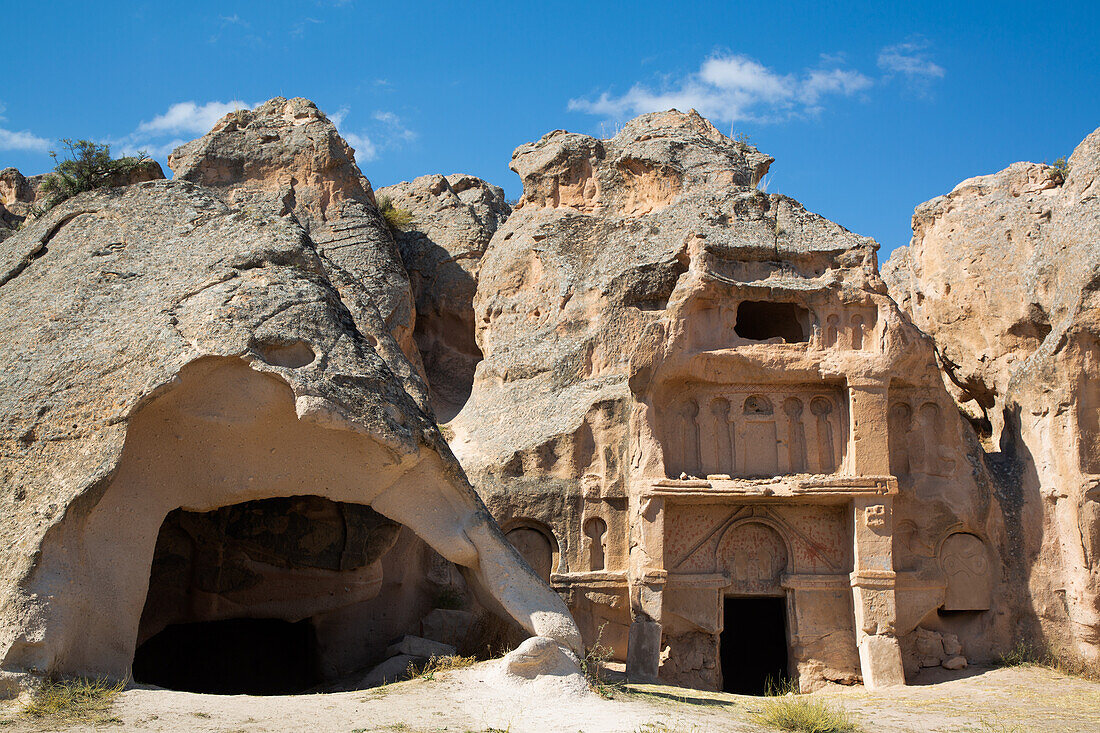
[[222, 434], [967, 565], [754, 553], [757, 404], [536, 543]]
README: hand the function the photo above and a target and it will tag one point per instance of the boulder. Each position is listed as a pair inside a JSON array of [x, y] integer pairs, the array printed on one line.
[[446, 626], [955, 662], [540, 656], [420, 648], [453, 219], [1001, 273], [393, 669]]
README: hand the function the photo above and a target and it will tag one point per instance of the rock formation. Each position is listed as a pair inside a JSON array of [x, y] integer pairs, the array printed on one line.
[[1002, 272], [702, 419], [454, 217], [693, 407], [285, 157], [207, 419]]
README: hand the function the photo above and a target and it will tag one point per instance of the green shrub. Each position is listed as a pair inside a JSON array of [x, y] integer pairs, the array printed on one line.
[[397, 218], [1061, 167], [804, 715], [88, 166]]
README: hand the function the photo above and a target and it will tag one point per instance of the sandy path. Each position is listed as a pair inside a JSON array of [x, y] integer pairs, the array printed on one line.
[[991, 701]]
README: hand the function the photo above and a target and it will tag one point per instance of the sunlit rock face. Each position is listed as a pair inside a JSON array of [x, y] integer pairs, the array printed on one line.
[[1002, 273], [702, 418], [207, 417]]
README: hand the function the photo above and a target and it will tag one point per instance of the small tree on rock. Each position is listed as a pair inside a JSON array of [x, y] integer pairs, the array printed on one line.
[[88, 166]]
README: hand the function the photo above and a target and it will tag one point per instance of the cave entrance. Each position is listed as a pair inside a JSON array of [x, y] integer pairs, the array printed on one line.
[[760, 320], [235, 595], [753, 645], [242, 656]]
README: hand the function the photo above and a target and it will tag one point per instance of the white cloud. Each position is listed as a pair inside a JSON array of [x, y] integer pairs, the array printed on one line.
[[189, 117], [911, 60], [365, 149], [732, 88], [395, 130], [337, 117], [22, 140], [833, 81]]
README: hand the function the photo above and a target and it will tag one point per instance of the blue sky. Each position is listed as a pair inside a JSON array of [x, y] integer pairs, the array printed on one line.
[[869, 109]]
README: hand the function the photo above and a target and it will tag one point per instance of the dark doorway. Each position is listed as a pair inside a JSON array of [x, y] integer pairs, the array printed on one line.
[[754, 645], [242, 656], [760, 320]]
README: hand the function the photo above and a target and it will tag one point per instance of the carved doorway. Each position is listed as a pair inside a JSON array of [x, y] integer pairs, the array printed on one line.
[[753, 645]]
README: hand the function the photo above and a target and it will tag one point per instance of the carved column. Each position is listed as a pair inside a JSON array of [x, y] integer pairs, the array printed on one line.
[[873, 579], [647, 582]]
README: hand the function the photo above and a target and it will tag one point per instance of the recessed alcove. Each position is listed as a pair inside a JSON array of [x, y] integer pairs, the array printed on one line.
[[762, 320]]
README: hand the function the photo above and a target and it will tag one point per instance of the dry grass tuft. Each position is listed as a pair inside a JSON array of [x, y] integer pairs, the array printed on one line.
[[439, 664], [804, 715], [396, 217], [1068, 663], [75, 700]]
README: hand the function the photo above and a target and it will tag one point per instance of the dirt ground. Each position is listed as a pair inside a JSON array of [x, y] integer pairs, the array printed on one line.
[[1002, 700]]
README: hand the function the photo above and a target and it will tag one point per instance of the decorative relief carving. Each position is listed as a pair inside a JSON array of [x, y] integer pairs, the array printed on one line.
[[818, 536], [740, 433], [875, 516], [753, 555], [849, 329], [917, 440], [965, 561], [796, 435]]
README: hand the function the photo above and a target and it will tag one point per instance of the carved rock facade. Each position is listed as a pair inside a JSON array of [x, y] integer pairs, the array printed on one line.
[[696, 397]]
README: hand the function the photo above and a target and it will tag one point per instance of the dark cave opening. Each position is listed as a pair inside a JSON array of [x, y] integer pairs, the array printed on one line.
[[760, 320], [241, 656], [753, 645], [235, 595]]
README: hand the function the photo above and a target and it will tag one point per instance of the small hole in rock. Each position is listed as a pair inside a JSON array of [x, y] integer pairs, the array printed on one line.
[[291, 354]]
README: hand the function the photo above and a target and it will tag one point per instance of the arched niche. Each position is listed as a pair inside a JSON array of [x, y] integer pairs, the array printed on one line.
[[968, 568], [754, 554], [536, 543]]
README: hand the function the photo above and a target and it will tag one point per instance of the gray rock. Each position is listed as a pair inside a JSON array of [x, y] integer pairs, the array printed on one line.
[[286, 158], [393, 669], [446, 626], [164, 348], [956, 662], [421, 648]]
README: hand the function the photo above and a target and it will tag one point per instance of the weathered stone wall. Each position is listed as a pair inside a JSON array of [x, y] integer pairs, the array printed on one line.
[[1002, 273]]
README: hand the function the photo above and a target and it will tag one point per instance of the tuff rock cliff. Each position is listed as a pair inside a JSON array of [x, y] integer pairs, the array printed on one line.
[[1003, 273]]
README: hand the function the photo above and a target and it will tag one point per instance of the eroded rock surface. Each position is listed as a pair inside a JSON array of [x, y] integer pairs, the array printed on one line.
[[1002, 272], [454, 217], [286, 157], [170, 346], [695, 392]]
